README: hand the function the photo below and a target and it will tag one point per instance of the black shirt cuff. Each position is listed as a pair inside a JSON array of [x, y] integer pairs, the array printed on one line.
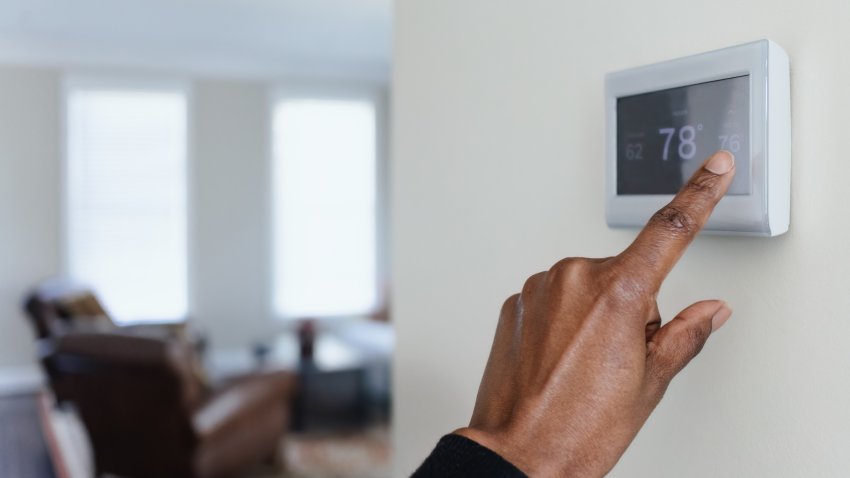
[[458, 456]]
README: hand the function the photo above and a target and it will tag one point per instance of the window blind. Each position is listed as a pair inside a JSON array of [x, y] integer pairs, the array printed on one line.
[[126, 217], [324, 207]]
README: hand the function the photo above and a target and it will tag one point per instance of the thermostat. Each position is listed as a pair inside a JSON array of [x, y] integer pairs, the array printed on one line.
[[663, 120]]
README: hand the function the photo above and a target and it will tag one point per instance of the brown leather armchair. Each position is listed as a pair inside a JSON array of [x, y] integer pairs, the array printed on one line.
[[148, 416], [61, 306]]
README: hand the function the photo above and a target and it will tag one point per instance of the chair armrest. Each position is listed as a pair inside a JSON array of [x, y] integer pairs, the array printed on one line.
[[242, 401]]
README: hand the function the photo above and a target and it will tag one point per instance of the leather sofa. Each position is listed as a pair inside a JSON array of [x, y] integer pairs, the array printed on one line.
[[148, 415]]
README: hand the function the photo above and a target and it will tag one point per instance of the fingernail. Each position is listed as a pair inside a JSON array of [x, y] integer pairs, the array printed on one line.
[[720, 317], [721, 162]]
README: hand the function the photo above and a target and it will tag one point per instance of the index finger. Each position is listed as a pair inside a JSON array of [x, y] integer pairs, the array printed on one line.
[[670, 231]]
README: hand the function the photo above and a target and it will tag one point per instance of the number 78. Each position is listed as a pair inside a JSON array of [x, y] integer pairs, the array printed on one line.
[[687, 147]]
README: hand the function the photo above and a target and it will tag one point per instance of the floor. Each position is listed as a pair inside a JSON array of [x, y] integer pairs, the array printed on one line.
[[23, 450], [352, 454]]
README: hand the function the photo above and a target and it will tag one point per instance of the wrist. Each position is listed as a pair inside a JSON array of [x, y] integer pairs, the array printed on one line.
[[499, 445], [535, 456]]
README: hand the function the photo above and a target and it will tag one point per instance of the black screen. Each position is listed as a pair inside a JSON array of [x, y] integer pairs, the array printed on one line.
[[663, 136]]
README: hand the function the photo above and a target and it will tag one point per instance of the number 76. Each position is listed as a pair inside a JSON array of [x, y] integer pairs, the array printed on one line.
[[730, 142]]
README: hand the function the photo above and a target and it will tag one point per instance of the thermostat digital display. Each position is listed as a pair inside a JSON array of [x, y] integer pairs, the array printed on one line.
[[663, 120], [662, 137]]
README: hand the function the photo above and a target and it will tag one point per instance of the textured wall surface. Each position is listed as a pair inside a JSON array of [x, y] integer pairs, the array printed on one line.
[[498, 172]]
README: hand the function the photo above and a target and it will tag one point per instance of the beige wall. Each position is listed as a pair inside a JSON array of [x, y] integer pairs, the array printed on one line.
[[498, 173], [29, 199], [230, 211]]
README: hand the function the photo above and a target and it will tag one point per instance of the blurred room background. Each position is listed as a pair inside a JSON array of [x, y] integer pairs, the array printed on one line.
[[194, 223]]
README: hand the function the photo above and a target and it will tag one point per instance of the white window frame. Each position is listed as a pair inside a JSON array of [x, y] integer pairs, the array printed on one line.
[[122, 81], [377, 94]]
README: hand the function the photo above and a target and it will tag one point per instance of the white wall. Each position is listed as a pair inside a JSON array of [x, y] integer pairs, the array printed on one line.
[[498, 172]]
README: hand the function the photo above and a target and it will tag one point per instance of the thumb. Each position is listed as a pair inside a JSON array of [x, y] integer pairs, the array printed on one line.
[[681, 339]]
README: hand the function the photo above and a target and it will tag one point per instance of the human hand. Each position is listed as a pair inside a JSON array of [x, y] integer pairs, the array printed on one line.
[[580, 358]]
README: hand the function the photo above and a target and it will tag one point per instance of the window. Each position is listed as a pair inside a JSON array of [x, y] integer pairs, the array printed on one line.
[[325, 220], [126, 217]]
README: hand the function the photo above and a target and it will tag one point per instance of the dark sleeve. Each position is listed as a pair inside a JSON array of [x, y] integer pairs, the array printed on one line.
[[456, 456]]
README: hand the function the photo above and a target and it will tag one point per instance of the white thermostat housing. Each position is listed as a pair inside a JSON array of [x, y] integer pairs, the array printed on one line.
[[662, 120]]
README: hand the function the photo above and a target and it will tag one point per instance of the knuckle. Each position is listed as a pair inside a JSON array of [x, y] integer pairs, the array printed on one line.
[[567, 271], [696, 338], [626, 289], [510, 303], [509, 307], [662, 369], [674, 219], [622, 284], [671, 356], [532, 283], [703, 184]]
